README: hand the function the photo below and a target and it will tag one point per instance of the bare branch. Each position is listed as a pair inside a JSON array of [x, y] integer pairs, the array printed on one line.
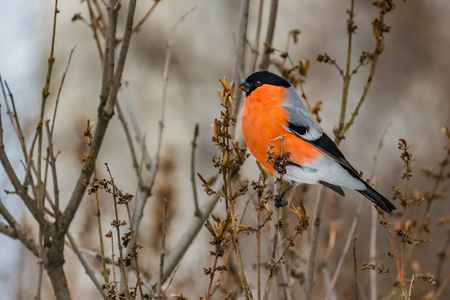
[[85, 265], [15, 231], [163, 254], [106, 105], [194, 187], [265, 61], [239, 62]]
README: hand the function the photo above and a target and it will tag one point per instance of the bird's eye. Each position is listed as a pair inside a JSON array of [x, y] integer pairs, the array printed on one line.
[[258, 83]]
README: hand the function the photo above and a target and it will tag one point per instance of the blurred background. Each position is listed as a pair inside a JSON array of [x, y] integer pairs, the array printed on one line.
[[410, 94]]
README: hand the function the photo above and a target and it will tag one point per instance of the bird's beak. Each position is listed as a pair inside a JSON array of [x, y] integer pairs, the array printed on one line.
[[245, 86]]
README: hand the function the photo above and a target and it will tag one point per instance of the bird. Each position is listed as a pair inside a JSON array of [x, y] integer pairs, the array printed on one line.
[[274, 119]]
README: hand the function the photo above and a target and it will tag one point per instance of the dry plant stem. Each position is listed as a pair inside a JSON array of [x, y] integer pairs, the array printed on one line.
[[19, 188], [347, 75], [255, 49], [105, 273], [355, 267], [60, 89], [441, 258], [194, 187], [372, 254], [45, 93], [271, 266], [94, 25], [107, 102], [162, 255], [188, 237], [247, 291], [119, 243], [265, 60], [149, 12], [363, 96], [321, 191], [113, 266], [344, 251], [239, 61], [258, 250], [314, 238], [14, 118], [85, 265], [397, 260]]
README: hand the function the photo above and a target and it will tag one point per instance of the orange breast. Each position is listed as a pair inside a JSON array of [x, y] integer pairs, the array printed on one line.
[[264, 120]]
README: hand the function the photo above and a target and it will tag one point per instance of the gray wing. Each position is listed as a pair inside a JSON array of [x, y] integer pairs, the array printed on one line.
[[302, 124]]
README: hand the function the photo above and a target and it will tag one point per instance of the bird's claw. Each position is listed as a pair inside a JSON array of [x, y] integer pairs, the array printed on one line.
[[279, 201], [280, 165]]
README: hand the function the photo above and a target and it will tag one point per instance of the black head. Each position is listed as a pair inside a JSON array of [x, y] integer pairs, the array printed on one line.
[[259, 78]]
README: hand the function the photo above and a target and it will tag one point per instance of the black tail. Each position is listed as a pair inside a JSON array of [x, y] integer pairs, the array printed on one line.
[[377, 198]]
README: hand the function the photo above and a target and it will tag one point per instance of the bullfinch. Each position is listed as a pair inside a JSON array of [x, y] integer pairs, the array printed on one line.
[[274, 114]]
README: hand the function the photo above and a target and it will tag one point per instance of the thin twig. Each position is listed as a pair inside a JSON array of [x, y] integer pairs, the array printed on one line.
[[163, 254], [107, 102], [271, 265], [60, 89], [344, 251], [130, 143], [52, 161], [15, 231], [255, 49], [193, 177], [149, 182], [119, 243], [397, 260], [138, 26], [265, 61], [85, 265], [355, 267], [239, 61]]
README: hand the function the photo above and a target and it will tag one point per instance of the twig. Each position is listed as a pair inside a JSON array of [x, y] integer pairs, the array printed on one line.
[[52, 161], [94, 26], [18, 187], [149, 182], [107, 96], [163, 254], [194, 187], [271, 265], [355, 267], [344, 251], [134, 123], [397, 260], [60, 89], [15, 231], [138, 26], [14, 117], [85, 265], [117, 226], [255, 49], [239, 62], [130, 143], [187, 238], [265, 61], [314, 238], [347, 76]]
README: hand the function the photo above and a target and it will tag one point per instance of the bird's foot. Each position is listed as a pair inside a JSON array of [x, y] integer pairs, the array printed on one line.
[[280, 165], [279, 201]]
